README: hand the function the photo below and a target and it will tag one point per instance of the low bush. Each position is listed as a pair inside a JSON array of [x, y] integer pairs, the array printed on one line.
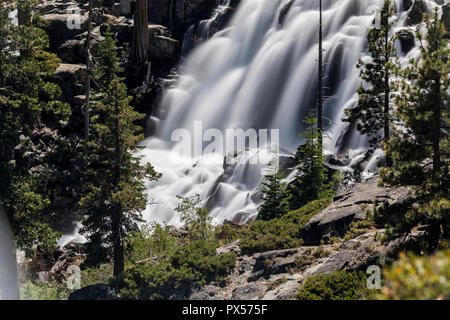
[[279, 233], [339, 285], [41, 290]]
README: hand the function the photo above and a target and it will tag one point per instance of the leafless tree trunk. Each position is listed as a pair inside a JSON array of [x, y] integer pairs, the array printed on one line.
[[88, 75], [139, 48], [320, 85]]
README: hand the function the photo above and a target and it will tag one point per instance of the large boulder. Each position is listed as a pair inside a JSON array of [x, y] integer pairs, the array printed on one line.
[[407, 40], [334, 221], [60, 28], [188, 12], [67, 76], [163, 48], [73, 50], [94, 292], [407, 4], [415, 15], [446, 16], [122, 8]]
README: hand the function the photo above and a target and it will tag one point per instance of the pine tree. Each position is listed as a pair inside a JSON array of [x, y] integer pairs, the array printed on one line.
[[114, 192], [373, 109], [312, 178], [275, 195], [108, 62], [28, 101], [420, 147]]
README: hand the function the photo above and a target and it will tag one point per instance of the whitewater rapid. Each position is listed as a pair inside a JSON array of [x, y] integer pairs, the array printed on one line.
[[260, 73]]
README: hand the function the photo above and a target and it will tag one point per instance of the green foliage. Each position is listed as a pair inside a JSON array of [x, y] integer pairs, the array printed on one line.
[[422, 111], [312, 180], [372, 110], [420, 148], [358, 228], [339, 285], [414, 277], [40, 290], [96, 275], [108, 62], [114, 187], [275, 196], [195, 218], [28, 102], [279, 233], [27, 206], [161, 265]]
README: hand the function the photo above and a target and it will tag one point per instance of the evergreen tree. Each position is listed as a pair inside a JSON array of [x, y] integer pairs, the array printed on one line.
[[420, 147], [28, 102], [275, 195], [373, 109], [108, 62], [312, 179], [114, 188]]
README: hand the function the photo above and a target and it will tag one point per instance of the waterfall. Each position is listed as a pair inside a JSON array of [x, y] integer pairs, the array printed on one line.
[[259, 73], [9, 289]]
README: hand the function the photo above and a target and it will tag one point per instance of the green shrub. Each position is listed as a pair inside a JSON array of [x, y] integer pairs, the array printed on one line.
[[279, 233], [100, 274], [339, 285], [40, 290], [358, 228], [414, 277], [160, 264]]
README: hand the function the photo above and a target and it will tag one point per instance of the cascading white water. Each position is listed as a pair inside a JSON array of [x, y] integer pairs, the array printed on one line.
[[259, 73]]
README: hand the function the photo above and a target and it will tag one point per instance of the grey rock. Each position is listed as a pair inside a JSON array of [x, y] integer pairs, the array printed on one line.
[[123, 8], [232, 247], [163, 48], [67, 76], [94, 292], [208, 292], [252, 291], [407, 40], [407, 4], [415, 15], [348, 207], [60, 28], [446, 16]]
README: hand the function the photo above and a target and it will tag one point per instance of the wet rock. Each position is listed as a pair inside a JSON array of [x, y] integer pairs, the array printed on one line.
[[94, 292], [188, 12], [415, 15], [407, 4], [407, 40], [446, 16], [123, 8], [284, 12]]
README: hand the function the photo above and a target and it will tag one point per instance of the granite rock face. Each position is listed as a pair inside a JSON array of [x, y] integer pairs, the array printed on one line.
[[347, 207]]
